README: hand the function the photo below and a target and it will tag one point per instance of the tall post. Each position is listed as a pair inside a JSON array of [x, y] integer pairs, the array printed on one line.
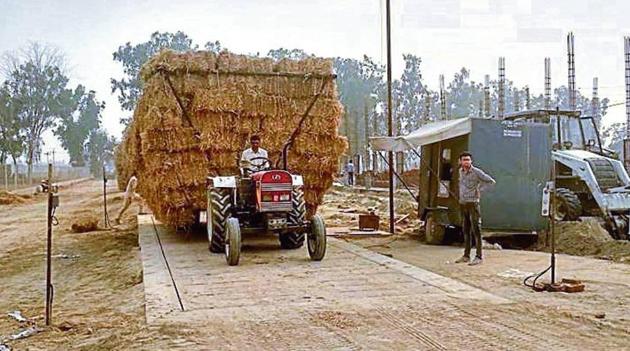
[[501, 110], [528, 105], [366, 152], [547, 103], [571, 61], [626, 140], [486, 96], [390, 129], [49, 215], [595, 101], [426, 115], [442, 98]]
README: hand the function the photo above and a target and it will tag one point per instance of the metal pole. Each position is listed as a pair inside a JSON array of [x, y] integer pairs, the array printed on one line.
[[553, 212], [547, 82], [390, 130], [105, 215], [49, 287], [571, 59], [486, 96], [501, 111], [443, 115], [626, 141]]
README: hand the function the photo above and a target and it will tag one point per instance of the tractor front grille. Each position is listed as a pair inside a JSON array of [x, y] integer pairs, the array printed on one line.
[[275, 206], [266, 187]]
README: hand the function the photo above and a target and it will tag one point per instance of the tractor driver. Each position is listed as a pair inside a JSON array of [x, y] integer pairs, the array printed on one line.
[[252, 158]]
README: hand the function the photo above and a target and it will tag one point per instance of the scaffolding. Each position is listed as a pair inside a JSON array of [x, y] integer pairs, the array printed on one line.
[[501, 109]]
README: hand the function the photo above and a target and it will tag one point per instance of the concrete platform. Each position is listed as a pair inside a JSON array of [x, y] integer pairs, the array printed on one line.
[[184, 282]]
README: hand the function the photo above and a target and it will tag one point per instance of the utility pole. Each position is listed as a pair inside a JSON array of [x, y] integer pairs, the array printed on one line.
[[528, 105], [501, 111], [49, 286], [486, 96], [595, 101], [571, 60], [626, 140], [390, 129], [547, 103], [427, 108], [442, 99]]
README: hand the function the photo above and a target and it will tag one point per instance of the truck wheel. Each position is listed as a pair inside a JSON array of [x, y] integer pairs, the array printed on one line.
[[219, 208], [433, 231], [317, 239], [296, 217], [567, 205], [232, 241]]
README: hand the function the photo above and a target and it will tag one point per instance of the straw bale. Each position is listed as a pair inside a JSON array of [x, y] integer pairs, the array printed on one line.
[[225, 99]]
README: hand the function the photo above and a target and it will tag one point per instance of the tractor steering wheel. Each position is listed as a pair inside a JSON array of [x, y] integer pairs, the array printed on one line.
[[257, 168]]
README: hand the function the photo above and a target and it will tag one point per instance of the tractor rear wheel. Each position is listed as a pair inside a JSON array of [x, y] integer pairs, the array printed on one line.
[[219, 208], [317, 239], [567, 205], [296, 217], [232, 241]]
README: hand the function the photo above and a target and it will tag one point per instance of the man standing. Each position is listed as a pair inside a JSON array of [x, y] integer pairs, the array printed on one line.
[[350, 172], [472, 181], [130, 196], [255, 151]]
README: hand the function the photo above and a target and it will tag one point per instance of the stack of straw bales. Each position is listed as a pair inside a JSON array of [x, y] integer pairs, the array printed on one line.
[[198, 111]]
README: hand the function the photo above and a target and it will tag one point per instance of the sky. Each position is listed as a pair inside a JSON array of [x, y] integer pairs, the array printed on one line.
[[446, 34]]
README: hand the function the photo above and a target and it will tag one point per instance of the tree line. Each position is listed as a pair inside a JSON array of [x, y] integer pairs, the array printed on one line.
[[35, 97]]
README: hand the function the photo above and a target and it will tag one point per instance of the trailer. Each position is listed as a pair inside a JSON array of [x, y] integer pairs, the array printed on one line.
[[514, 153]]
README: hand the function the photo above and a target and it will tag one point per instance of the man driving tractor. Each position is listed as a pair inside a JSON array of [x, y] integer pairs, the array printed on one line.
[[255, 156]]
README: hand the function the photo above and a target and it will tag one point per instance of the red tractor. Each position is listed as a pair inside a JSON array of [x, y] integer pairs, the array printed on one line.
[[262, 200]]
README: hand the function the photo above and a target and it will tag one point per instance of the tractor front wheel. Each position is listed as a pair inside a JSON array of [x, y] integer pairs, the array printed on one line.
[[219, 208], [567, 205], [296, 217], [316, 240], [232, 241]]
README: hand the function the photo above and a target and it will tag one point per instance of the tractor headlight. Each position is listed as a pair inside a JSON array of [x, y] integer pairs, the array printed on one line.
[[267, 198], [285, 197]]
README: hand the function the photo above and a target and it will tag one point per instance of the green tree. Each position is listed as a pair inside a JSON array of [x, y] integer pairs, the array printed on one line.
[[11, 130], [294, 54], [74, 128], [132, 57], [37, 90]]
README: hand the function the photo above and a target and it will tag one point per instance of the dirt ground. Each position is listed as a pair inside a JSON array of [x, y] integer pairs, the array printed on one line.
[[99, 293]]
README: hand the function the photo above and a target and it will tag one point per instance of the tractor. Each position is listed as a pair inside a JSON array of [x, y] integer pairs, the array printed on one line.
[[590, 180], [261, 200]]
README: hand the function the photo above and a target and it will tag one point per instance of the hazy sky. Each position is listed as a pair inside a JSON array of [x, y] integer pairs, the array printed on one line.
[[447, 34]]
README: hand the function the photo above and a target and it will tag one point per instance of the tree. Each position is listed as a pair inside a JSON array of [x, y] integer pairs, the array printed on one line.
[[100, 150], [74, 128], [294, 54], [132, 57], [37, 90], [11, 131]]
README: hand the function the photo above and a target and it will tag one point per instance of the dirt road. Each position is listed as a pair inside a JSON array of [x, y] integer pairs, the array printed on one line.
[[354, 299]]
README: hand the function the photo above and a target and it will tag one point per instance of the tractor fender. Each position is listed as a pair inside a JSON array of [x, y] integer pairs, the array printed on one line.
[[441, 214], [222, 182]]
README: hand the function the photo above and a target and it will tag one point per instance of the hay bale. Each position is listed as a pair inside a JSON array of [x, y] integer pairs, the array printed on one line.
[[7, 198], [225, 99], [84, 224]]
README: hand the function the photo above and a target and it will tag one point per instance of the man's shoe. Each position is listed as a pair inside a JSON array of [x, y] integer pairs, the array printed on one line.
[[462, 259], [475, 261]]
